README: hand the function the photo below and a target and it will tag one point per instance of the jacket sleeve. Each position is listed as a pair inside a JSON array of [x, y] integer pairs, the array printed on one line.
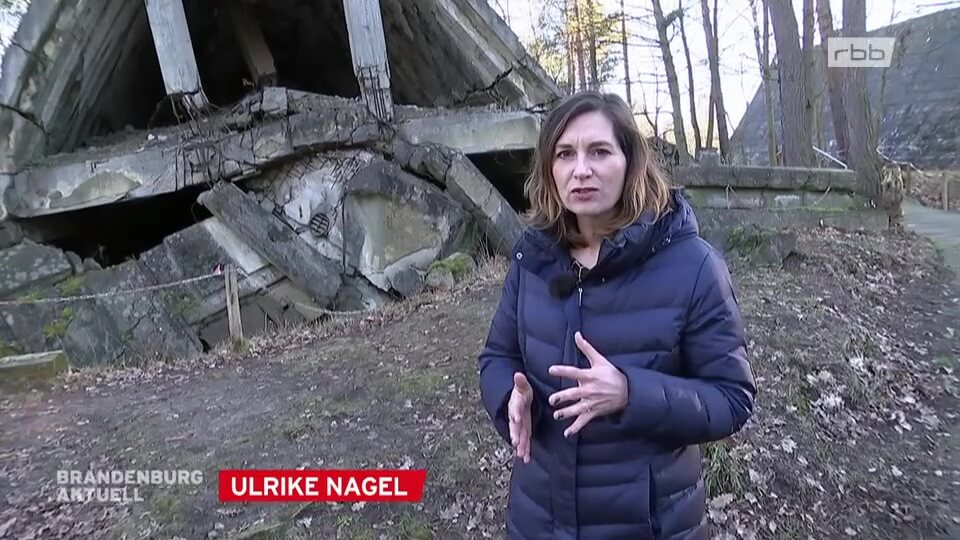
[[501, 357], [715, 398]]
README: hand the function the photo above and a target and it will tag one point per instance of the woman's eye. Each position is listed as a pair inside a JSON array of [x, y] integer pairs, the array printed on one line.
[[601, 151], [563, 154]]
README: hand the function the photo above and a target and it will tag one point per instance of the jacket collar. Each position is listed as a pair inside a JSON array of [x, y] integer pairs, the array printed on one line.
[[542, 254]]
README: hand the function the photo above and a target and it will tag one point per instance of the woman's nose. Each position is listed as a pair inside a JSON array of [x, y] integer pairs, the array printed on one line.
[[582, 168]]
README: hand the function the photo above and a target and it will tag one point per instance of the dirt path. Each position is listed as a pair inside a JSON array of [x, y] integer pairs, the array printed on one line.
[[940, 226], [943, 228]]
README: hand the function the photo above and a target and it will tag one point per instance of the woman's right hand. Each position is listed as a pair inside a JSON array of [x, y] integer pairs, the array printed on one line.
[[518, 414]]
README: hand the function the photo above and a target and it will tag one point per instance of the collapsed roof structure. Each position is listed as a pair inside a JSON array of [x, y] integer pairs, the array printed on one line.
[[331, 151]]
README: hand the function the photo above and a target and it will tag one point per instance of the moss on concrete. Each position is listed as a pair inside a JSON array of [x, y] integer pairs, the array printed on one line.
[[58, 328], [9, 349], [459, 264], [71, 286]]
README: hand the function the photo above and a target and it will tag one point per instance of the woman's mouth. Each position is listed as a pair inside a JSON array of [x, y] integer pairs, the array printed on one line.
[[583, 193]]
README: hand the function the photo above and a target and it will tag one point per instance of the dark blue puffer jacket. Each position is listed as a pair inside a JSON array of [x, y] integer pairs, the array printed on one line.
[[660, 306]]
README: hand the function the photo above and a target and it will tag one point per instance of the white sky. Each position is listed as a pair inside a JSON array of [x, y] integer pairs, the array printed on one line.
[[739, 68]]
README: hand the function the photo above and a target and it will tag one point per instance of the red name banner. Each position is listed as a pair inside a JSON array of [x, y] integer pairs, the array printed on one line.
[[289, 485]]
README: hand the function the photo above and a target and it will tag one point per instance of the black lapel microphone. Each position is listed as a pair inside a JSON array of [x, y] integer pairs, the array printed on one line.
[[563, 286]]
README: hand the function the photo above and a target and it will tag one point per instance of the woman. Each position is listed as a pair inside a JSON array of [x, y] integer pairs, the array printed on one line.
[[617, 347]]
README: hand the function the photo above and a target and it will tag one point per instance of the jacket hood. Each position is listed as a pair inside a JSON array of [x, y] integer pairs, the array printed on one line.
[[542, 253]]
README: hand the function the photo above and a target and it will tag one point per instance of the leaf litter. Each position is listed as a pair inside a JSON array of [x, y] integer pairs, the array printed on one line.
[[853, 343]]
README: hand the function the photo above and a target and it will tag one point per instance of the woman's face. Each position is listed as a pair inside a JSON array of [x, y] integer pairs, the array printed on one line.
[[589, 167]]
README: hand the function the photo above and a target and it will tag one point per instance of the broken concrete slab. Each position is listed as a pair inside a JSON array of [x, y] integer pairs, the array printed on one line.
[[493, 54], [8, 342], [34, 366], [753, 177], [6, 180], [37, 326], [310, 189], [467, 185], [462, 52], [368, 214], [274, 241], [396, 221], [198, 250], [10, 234], [155, 166], [115, 329], [429, 160], [472, 131], [359, 294], [29, 263], [496, 217]]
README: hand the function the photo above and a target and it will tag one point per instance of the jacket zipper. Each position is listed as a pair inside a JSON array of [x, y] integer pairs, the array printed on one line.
[[579, 287]]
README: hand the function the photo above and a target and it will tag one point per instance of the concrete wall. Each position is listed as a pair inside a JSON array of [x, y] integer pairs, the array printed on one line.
[[729, 196]]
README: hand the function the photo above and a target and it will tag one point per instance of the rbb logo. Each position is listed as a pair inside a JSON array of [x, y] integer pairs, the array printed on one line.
[[859, 52]]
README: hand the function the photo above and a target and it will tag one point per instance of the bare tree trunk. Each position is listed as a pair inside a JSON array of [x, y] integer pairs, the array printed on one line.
[[708, 143], [715, 88], [722, 131], [763, 59], [672, 83], [693, 101], [806, 52], [818, 119], [797, 150], [592, 36], [711, 102], [863, 136], [834, 82], [568, 39], [581, 64], [626, 52], [768, 87]]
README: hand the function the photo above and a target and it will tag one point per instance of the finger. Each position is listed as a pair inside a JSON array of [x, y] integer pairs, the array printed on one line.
[[563, 396], [578, 424], [525, 445], [568, 372], [577, 409], [514, 430], [592, 355], [521, 383]]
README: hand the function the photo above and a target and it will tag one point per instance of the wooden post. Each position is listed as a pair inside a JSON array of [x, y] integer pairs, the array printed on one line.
[[233, 305], [171, 39], [256, 52], [946, 193], [368, 48]]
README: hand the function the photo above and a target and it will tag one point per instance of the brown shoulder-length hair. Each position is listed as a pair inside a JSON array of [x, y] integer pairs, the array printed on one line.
[[646, 186]]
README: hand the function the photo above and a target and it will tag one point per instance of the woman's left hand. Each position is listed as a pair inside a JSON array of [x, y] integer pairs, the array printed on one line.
[[601, 389]]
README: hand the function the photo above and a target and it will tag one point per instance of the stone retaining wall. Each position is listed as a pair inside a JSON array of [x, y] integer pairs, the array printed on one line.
[[730, 196]]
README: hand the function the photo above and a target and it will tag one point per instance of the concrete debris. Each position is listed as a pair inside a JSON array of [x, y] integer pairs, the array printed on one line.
[[274, 242], [27, 264], [34, 366], [326, 197]]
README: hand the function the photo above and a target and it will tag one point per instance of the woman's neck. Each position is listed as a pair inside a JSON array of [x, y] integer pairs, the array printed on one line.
[[589, 231], [588, 254]]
